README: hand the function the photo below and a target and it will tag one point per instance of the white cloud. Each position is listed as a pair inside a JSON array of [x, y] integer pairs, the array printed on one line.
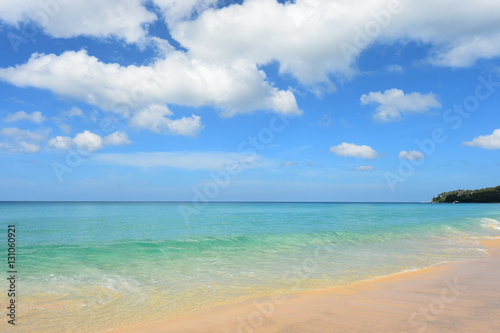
[[152, 118], [21, 134], [226, 47], [491, 141], [350, 149], [183, 160], [73, 112], [28, 147], [22, 140], [88, 141], [178, 79], [466, 52], [394, 103], [411, 155], [177, 10], [189, 126], [20, 146], [364, 168], [36, 117], [123, 19], [306, 37], [288, 163], [117, 138], [65, 128], [61, 142]]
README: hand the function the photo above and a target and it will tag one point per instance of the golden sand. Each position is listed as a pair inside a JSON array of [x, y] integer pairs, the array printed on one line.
[[459, 297]]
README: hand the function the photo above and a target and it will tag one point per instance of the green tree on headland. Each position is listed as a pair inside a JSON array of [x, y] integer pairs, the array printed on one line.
[[484, 195]]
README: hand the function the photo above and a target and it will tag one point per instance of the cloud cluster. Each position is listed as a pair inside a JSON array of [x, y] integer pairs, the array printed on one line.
[[122, 19], [411, 155], [226, 47], [35, 117], [89, 142], [20, 140], [352, 150], [491, 141], [154, 118], [394, 103], [174, 11], [21, 134], [177, 79], [73, 112], [305, 36]]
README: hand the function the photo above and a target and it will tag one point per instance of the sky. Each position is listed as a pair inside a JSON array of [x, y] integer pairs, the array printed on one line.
[[254, 100]]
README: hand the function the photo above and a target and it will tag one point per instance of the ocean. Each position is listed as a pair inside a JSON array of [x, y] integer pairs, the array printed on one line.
[[97, 266]]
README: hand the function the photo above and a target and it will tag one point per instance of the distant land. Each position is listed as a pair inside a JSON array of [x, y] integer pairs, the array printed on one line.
[[484, 195]]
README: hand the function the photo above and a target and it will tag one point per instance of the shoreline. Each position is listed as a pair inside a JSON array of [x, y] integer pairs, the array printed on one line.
[[438, 298]]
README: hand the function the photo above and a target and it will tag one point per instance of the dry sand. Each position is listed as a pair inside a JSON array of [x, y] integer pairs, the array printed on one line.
[[459, 297]]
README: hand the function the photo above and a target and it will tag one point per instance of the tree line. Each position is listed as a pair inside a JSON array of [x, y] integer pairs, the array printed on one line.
[[484, 195]]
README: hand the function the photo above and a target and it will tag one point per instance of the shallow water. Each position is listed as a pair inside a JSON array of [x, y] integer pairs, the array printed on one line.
[[87, 267]]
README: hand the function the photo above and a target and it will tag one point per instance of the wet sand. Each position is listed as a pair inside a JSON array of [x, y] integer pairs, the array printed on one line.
[[458, 297]]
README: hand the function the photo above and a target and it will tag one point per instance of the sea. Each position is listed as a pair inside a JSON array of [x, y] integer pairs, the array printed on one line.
[[99, 266]]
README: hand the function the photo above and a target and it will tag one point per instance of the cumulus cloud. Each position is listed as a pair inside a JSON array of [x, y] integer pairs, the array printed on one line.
[[394, 103], [21, 146], [89, 141], [123, 19], [223, 49], [288, 163], [29, 148], [36, 117], [491, 141], [364, 168], [411, 155], [21, 134], [352, 150], [19, 140], [189, 126], [261, 31], [73, 112], [117, 138], [265, 30], [154, 118], [61, 142], [177, 79], [174, 11]]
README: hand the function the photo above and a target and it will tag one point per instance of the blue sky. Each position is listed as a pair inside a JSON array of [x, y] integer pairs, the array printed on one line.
[[252, 100]]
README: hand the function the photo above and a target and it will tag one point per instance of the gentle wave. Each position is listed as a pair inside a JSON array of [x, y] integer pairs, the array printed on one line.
[[94, 265]]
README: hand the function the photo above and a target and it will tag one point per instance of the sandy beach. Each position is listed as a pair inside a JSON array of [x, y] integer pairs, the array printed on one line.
[[458, 297]]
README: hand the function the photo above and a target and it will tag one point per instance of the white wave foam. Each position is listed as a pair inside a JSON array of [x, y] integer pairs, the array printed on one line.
[[490, 223]]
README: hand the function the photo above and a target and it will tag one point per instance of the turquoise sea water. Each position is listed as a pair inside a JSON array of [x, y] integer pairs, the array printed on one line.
[[89, 267]]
